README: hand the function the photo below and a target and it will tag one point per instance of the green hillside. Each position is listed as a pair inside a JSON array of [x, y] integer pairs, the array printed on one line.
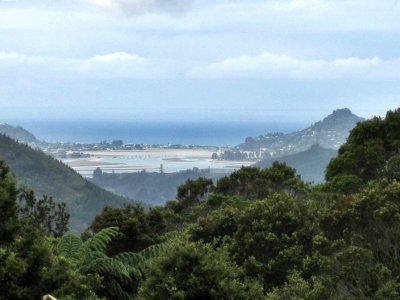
[[48, 176], [150, 187], [310, 164], [254, 234]]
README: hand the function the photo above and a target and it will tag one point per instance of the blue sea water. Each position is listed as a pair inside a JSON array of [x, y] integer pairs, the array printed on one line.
[[184, 133]]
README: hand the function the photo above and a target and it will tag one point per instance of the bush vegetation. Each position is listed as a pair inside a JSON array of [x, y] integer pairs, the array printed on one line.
[[256, 234]]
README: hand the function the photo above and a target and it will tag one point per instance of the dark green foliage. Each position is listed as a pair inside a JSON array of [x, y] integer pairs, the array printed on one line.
[[21, 264], [392, 168], [119, 273], [90, 258], [359, 236], [301, 249], [345, 183], [259, 233], [216, 225], [296, 288], [266, 242], [196, 271], [255, 183], [69, 246], [236, 189], [193, 192], [100, 241], [367, 154], [44, 213], [47, 176], [8, 204], [29, 270], [269, 237], [375, 215], [28, 267], [137, 229]]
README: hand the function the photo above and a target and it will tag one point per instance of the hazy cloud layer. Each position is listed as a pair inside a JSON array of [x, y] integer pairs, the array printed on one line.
[[123, 65], [276, 66], [137, 7], [118, 65], [269, 56]]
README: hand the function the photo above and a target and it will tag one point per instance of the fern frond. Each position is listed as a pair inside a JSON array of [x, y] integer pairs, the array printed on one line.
[[100, 240], [109, 267], [92, 255], [153, 251], [130, 258], [69, 246], [134, 259], [117, 291]]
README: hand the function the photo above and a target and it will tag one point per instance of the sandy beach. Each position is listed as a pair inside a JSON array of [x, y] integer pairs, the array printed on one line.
[[172, 160], [156, 152]]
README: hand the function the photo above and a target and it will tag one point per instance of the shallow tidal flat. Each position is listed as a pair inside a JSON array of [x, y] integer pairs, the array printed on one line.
[[172, 160]]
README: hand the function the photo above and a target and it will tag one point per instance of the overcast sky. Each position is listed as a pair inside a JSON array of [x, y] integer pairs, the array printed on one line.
[[198, 60]]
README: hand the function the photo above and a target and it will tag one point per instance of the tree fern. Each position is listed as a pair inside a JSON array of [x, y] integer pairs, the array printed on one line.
[[119, 272], [69, 246], [153, 251], [100, 240], [130, 258], [110, 267], [72, 246], [115, 289], [134, 259]]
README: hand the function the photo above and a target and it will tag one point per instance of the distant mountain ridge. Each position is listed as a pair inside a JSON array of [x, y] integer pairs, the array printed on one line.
[[310, 164], [17, 133], [48, 176], [330, 133]]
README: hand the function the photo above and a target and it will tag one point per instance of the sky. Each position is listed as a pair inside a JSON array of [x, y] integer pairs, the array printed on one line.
[[197, 60]]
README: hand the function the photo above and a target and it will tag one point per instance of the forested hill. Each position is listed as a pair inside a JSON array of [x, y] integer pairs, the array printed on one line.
[[18, 133], [329, 133], [254, 234], [47, 176], [150, 187], [310, 164]]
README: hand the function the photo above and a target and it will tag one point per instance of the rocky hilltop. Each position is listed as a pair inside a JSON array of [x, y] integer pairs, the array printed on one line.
[[330, 133], [17, 133]]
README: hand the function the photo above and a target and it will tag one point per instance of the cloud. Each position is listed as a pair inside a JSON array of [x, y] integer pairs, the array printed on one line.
[[123, 65], [118, 57], [129, 66], [15, 66], [279, 66], [117, 65], [138, 7], [14, 57]]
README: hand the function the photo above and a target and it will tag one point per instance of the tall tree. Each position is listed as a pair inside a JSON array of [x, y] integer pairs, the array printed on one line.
[[8, 204]]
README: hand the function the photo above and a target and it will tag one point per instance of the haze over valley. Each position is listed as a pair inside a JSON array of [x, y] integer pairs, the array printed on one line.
[[199, 149], [151, 173]]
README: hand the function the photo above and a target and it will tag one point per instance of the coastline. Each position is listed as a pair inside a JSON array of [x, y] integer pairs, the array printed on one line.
[[150, 160]]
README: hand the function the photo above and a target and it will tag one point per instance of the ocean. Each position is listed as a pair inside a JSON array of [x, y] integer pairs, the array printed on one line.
[[184, 133]]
